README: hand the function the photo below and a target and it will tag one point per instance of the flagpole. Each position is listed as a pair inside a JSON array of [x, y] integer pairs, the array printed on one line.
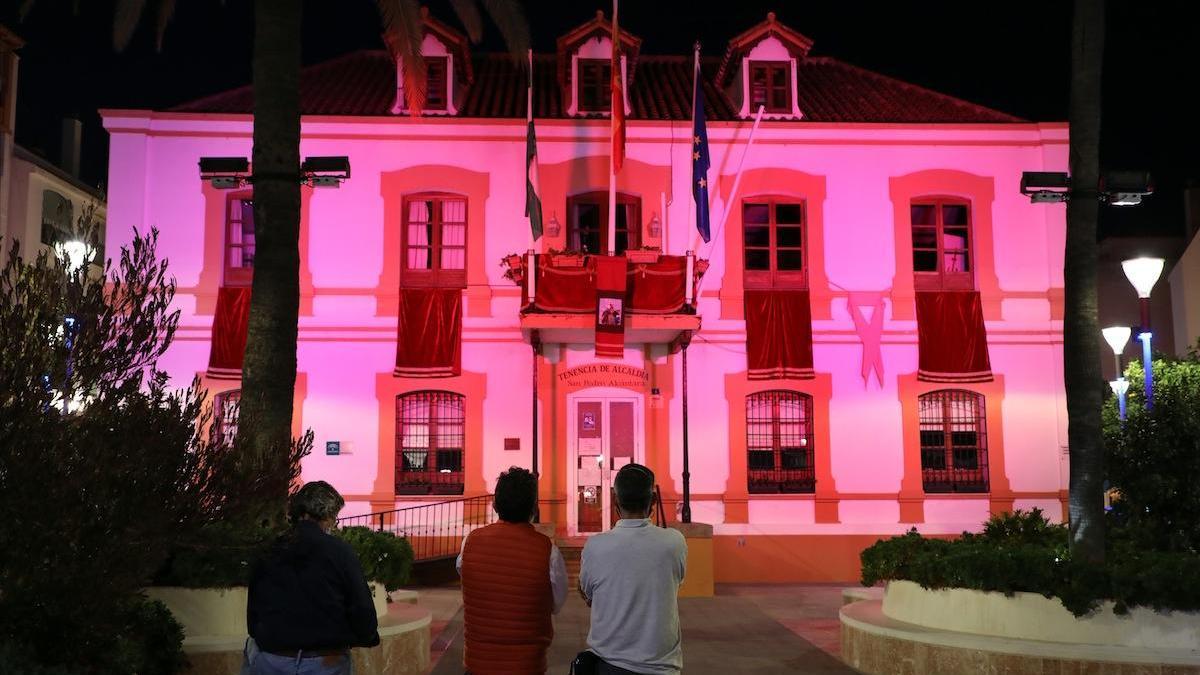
[[737, 180], [612, 127]]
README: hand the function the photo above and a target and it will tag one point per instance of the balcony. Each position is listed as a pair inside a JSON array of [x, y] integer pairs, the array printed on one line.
[[559, 296]]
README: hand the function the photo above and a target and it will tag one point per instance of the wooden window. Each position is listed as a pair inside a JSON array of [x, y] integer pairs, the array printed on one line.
[[953, 441], [429, 443], [588, 223], [779, 443], [771, 86], [239, 239], [435, 241], [595, 85], [941, 244], [225, 415], [58, 218], [436, 88], [773, 243]]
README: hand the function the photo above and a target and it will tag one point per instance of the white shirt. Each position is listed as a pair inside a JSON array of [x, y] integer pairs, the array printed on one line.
[[558, 574], [632, 574]]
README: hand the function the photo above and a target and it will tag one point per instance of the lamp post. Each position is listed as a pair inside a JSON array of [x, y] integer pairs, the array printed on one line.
[[75, 255], [1143, 273], [1117, 337]]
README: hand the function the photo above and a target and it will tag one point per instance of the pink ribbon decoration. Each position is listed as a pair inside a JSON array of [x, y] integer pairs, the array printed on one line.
[[870, 331]]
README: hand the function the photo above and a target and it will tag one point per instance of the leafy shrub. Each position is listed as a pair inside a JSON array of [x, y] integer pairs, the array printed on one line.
[[1153, 458], [386, 558], [1022, 552]]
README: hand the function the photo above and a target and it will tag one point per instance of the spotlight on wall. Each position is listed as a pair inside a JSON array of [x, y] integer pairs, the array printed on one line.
[[325, 171], [1045, 187], [225, 173], [1125, 188]]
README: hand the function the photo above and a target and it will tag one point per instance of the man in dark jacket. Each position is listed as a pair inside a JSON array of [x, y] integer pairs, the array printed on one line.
[[309, 602]]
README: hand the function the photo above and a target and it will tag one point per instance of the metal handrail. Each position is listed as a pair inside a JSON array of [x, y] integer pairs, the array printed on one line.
[[657, 508], [435, 531]]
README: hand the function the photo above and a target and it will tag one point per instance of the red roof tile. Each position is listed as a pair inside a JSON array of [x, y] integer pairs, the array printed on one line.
[[363, 83]]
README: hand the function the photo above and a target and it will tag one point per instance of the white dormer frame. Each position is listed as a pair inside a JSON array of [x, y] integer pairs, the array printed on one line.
[[430, 46], [596, 48], [769, 49]]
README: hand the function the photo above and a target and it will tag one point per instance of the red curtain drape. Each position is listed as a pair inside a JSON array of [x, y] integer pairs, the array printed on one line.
[[952, 338], [654, 288], [229, 333], [778, 335], [429, 333], [611, 281], [657, 288]]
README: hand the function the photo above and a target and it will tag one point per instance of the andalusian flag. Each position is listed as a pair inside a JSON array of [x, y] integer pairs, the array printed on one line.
[[533, 202]]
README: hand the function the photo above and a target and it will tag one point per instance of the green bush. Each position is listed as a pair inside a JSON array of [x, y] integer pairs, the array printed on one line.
[[386, 558], [1153, 458], [1022, 552]]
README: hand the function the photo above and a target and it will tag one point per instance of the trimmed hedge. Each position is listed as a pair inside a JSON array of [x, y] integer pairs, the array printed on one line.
[[386, 558], [1022, 552]]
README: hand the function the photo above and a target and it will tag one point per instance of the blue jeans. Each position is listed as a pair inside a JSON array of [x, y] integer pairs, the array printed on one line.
[[262, 663]]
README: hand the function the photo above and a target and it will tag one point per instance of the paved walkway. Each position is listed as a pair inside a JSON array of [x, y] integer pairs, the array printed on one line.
[[744, 629]]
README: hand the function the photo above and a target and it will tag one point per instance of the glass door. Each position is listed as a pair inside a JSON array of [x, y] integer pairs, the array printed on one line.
[[604, 438]]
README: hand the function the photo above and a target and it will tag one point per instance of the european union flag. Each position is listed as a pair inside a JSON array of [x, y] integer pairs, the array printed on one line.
[[700, 161]]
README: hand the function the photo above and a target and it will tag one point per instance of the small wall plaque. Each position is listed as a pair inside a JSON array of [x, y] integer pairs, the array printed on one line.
[[512, 444], [333, 447]]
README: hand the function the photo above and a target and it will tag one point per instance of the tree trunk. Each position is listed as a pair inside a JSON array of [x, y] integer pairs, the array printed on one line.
[[269, 367], [1081, 327]]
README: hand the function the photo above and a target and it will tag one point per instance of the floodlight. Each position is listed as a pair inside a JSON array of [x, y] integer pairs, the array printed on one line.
[[1045, 187], [1125, 188]]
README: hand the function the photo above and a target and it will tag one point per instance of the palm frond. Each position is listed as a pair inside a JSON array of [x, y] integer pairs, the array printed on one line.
[[402, 22], [514, 28], [468, 14], [126, 16], [166, 10]]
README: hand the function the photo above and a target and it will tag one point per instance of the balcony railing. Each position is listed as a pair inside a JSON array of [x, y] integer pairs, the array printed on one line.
[[566, 283]]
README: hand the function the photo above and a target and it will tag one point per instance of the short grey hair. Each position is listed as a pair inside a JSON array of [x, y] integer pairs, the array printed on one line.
[[317, 500]]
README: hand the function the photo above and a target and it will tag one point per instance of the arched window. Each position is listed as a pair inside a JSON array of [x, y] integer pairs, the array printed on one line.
[[941, 244], [773, 243], [953, 441], [435, 241], [239, 239], [779, 442], [587, 227], [58, 218], [225, 415], [429, 443]]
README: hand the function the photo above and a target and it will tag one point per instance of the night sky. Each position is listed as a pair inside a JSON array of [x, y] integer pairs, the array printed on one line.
[[1012, 56]]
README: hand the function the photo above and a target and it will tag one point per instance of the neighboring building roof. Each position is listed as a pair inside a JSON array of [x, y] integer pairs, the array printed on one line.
[[363, 83], [49, 167]]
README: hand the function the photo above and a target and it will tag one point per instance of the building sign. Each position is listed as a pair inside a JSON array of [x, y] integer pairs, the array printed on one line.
[[605, 375], [333, 447]]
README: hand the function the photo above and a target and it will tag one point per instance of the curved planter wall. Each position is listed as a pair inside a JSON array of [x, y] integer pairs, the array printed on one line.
[[1029, 616]]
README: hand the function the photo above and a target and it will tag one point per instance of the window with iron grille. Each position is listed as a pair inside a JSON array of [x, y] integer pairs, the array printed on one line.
[[953, 441], [941, 244], [239, 239], [429, 443], [595, 85], [773, 239], [771, 86], [779, 443], [225, 415], [435, 241], [436, 90]]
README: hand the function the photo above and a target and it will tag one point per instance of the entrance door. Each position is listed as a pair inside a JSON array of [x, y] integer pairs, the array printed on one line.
[[605, 435]]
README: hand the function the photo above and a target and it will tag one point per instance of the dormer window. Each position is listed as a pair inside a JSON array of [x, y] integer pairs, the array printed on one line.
[[771, 86], [436, 85], [595, 81]]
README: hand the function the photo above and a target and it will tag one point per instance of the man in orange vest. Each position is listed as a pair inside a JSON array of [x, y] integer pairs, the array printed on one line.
[[513, 579]]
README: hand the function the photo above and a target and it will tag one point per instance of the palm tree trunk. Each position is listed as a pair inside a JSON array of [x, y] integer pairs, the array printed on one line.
[[1081, 329], [269, 367]]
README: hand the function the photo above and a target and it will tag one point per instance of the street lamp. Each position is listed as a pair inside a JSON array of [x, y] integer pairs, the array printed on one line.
[[1117, 337], [75, 254], [1143, 273], [1119, 387]]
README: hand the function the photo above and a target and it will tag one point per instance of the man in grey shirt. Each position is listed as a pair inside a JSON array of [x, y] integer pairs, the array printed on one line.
[[630, 578]]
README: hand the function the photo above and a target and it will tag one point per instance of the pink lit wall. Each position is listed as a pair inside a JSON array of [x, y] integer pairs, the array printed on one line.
[[346, 344]]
